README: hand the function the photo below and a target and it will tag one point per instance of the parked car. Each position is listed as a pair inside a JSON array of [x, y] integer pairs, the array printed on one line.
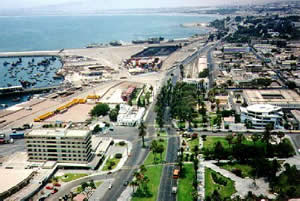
[[126, 183], [49, 187], [57, 184]]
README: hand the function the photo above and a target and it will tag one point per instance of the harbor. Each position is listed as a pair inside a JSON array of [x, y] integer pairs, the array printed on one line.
[[25, 74]]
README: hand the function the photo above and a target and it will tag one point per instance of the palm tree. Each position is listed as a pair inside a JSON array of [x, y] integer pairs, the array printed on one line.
[[142, 132]]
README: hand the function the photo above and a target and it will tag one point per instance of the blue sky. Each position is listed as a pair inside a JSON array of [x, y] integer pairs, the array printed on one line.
[[122, 4]]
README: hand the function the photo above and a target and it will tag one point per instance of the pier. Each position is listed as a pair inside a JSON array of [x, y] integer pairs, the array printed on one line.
[[30, 53], [30, 90]]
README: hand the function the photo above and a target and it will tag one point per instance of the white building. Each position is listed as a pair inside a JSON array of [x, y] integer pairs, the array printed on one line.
[[128, 116], [61, 145], [262, 114]]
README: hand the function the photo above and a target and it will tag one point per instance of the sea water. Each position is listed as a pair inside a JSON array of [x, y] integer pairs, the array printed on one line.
[[28, 33], [31, 33]]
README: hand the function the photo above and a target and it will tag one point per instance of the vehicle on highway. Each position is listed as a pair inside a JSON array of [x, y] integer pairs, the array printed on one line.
[[110, 186], [176, 173], [174, 189], [126, 183], [109, 172]]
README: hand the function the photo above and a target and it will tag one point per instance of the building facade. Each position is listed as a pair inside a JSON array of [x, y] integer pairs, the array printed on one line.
[[61, 145], [259, 115]]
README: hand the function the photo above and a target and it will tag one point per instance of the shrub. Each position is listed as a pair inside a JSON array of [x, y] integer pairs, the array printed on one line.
[[122, 143], [118, 155], [237, 172], [218, 179]]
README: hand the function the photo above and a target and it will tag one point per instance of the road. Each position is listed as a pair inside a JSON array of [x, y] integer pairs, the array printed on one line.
[[166, 180], [138, 155]]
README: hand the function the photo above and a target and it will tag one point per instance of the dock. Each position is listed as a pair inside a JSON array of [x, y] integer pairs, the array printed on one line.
[[30, 91], [30, 53]]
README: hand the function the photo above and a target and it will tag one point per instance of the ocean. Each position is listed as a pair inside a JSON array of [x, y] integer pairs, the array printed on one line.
[[28, 33], [31, 33]]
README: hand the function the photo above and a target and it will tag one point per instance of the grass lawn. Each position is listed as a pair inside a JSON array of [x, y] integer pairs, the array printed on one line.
[[162, 133], [116, 160], [150, 159], [70, 177], [154, 174], [211, 186], [192, 143], [185, 185], [210, 142], [180, 124], [246, 169]]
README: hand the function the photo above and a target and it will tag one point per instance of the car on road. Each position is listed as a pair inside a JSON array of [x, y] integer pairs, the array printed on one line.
[[109, 172], [110, 186], [174, 189], [126, 183]]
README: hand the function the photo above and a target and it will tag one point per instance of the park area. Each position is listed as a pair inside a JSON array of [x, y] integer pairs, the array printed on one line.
[[215, 182], [185, 185], [153, 173]]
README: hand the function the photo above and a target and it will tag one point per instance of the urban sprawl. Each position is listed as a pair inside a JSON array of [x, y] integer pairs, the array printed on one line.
[[211, 117]]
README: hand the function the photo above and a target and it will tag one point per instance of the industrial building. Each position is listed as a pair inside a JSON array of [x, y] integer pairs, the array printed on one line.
[[287, 99], [61, 145], [262, 114]]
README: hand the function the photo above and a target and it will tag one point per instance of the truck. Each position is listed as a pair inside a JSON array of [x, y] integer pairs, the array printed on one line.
[[17, 135], [176, 172]]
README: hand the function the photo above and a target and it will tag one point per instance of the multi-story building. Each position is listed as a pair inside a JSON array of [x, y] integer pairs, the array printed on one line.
[[262, 114], [61, 145]]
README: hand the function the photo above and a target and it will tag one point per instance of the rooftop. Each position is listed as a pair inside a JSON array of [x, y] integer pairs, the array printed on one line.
[[262, 108], [12, 178], [58, 133], [278, 96]]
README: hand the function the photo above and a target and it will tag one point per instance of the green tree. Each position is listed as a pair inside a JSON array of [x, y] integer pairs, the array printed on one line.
[[153, 148], [219, 151], [142, 132], [113, 115], [229, 139], [100, 109], [160, 150], [267, 133]]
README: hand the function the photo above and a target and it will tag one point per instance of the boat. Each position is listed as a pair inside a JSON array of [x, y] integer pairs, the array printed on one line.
[[4, 105], [6, 63], [16, 99]]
